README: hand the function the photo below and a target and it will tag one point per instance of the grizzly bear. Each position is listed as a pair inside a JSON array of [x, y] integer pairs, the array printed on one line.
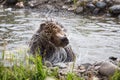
[[52, 43]]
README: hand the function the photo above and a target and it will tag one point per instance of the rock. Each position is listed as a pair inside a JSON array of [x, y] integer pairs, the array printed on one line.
[[115, 9], [81, 67], [8, 9], [86, 65], [19, 5], [108, 15], [101, 4], [96, 11], [91, 76], [109, 2], [79, 71], [60, 65], [63, 72], [113, 58], [48, 64], [52, 1], [34, 3], [79, 10], [65, 7], [107, 69], [11, 2], [119, 16], [90, 6], [72, 8], [68, 1], [116, 1]]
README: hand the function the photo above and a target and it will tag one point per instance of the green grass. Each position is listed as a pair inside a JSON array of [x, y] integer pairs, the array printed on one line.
[[73, 76], [30, 68], [116, 76]]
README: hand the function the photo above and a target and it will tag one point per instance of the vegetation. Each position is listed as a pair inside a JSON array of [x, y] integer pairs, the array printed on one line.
[[30, 69], [116, 76], [73, 76]]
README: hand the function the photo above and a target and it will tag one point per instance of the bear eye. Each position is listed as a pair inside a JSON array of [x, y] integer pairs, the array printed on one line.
[[54, 27], [46, 27], [46, 31]]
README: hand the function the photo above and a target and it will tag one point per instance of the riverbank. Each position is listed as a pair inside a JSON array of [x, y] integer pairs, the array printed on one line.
[[106, 8], [21, 66]]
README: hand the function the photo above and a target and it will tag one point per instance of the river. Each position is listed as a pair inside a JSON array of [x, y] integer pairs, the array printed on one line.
[[92, 38]]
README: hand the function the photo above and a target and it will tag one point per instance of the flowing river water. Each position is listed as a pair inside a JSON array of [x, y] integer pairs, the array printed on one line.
[[92, 39]]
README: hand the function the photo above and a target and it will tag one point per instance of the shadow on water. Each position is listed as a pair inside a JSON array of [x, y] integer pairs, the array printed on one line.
[[92, 39]]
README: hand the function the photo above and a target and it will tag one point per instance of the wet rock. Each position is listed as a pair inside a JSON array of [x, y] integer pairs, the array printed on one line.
[[34, 3], [119, 16], [109, 2], [72, 8], [101, 4], [87, 65], [108, 15], [116, 1], [11, 2], [90, 6], [79, 10], [107, 68], [60, 65], [115, 9], [63, 72], [96, 11], [53, 1], [79, 71], [113, 58], [8, 9], [81, 67], [65, 7], [48, 64], [19, 5], [68, 1], [91, 76]]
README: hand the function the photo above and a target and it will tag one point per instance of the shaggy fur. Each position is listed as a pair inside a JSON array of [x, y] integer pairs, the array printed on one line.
[[51, 41]]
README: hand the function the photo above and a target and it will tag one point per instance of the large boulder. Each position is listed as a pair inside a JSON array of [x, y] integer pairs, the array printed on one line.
[[107, 68]]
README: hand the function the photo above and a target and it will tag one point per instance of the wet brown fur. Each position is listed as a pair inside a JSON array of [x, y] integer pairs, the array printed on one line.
[[48, 41]]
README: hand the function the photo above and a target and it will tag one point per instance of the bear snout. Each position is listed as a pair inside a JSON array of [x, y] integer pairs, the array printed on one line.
[[65, 40]]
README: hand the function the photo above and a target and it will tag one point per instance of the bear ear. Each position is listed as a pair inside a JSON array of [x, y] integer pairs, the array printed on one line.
[[42, 26]]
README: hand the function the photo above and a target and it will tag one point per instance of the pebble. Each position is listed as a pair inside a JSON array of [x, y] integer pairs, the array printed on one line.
[[79, 10]]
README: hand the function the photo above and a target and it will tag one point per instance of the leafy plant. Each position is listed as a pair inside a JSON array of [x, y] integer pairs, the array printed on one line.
[[116, 75], [30, 68]]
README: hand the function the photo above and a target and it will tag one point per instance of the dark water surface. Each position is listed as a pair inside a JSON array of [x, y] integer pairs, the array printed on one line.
[[91, 39]]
